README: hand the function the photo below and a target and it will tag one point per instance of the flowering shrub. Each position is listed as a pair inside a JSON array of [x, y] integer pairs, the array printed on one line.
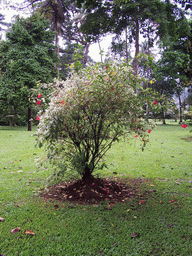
[[88, 113]]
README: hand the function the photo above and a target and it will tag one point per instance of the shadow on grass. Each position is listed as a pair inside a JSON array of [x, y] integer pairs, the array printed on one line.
[[16, 128]]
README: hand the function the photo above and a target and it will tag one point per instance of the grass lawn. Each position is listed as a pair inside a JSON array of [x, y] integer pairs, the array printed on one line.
[[159, 225]]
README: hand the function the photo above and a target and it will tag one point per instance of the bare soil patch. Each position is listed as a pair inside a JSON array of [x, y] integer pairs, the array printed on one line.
[[96, 190]]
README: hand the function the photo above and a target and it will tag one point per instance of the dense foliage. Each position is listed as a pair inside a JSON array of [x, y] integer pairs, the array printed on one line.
[[27, 56], [89, 112]]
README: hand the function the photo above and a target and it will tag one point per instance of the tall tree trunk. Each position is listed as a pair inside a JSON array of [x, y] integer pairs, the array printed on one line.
[[163, 117], [29, 119], [180, 110], [126, 45], [57, 51], [135, 61]]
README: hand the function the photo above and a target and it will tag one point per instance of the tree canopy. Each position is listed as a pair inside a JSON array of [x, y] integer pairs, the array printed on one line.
[[27, 56]]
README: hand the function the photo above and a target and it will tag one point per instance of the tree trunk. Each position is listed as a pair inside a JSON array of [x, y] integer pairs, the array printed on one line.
[[57, 51], [180, 110], [126, 45], [135, 61], [87, 174], [163, 117], [29, 119]]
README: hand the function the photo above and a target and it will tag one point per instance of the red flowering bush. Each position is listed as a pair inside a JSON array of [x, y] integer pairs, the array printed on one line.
[[88, 113]]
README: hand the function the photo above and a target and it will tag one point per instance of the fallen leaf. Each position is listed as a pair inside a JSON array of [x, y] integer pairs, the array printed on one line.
[[170, 225], [17, 205], [142, 202], [184, 126], [15, 230], [178, 183], [134, 235], [184, 237], [56, 207], [108, 207], [29, 232]]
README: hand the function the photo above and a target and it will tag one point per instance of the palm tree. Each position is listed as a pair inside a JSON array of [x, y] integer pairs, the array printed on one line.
[[56, 12]]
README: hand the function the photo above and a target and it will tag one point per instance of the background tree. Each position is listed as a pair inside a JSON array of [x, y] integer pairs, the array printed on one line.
[[56, 11], [175, 66], [27, 56]]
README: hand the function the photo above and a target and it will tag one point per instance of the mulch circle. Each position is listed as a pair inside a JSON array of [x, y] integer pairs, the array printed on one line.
[[94, 191]]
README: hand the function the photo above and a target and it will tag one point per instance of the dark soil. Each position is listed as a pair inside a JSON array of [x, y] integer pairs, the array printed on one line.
[[94, 191]]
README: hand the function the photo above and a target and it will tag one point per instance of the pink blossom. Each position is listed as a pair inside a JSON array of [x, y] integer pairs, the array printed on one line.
[[39, 96], [38, 102], [149, 131], [37, 118]]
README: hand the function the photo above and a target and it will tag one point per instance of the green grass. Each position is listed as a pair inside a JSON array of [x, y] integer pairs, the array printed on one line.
[[164, 227]]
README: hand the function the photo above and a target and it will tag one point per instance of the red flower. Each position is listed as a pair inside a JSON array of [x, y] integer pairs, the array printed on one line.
[[155, 102], [39, 96], [149, 131], [112, 88], [106, 67], [172, 201], [62, 101], [136, 136], [37, 118], [184, 126], [38, 102]]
